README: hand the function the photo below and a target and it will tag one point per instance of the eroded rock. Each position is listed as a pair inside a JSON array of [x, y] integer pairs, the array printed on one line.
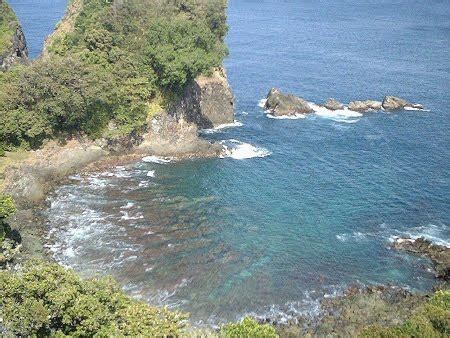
[[364, 106], [333, 104], [438, 254], [396, 103], [207, 101], [280, 104]]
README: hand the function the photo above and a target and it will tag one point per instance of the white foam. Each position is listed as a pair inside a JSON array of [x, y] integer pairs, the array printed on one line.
[[286, 117], [262, 103], [333, 114], [221, 127], [157, 159], [129, 205], [126, 216], [151, 173], [355, 236], [239, 150]]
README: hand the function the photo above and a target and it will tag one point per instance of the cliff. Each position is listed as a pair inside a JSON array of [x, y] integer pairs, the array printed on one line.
[[207, 101], [13, 46]]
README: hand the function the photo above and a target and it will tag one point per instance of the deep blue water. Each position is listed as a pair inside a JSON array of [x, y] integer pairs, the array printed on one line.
[[220, 238], [38, 19]]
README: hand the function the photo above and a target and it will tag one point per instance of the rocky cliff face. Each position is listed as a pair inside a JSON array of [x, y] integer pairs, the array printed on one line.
[[206, 102], [14, 48]]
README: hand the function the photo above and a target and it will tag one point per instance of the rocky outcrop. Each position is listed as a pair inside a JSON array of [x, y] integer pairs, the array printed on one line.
[[280, 104], [29, 181], [333, 104], [364, 106], [207, 101], [438, 254], [15, 48], [169, 136], [396, 103]]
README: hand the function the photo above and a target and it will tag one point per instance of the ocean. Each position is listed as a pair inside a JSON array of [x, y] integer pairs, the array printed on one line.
[[302, 208]]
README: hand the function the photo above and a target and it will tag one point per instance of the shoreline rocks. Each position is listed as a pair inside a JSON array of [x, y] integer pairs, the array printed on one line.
[[438, 254], [280, 104]]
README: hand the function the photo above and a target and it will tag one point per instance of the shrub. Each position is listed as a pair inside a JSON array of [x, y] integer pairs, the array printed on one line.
[[431, 320], [248, 327], [45, 299]]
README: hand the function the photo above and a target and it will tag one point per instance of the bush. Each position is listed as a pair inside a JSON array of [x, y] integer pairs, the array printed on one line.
[[7, 207], [45, 299], [431, 320], [248, 327]]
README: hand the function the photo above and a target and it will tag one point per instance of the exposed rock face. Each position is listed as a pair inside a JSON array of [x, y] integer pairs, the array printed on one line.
[[396, 103], [280, 104], [17, 50], [207, 101], [438, 254], [31, 180], [364, 106], [168, 136], [333, 104]]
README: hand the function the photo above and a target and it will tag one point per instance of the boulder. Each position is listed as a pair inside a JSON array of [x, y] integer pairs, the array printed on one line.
[[280, 104], [396, 103], [364, 106], [207, 101], [333, 104], [438, 254]]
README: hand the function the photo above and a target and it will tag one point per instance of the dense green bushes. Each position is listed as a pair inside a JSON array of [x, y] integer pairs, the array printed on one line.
[[250, 328], [118, 58], [46, 299], [431, 320], [8, 23]]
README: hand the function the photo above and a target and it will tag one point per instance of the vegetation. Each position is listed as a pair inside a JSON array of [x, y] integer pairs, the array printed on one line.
[[431, 320], [44, 299], [101, 78], [9, 239], [8, 23], [250, 328]]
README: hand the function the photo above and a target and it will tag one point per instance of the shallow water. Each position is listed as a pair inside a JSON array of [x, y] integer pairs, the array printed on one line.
[[300, 208]]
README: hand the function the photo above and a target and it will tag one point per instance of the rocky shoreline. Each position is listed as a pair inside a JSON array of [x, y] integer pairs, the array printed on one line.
[[279, 104]]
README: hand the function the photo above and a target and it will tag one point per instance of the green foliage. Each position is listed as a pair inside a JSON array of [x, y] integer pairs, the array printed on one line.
[[109, 69], [7, 207], [432, 320], [46, 299], [248, 327], [8, 24]]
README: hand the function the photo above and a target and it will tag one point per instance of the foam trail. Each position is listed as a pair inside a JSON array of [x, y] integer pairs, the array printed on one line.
[[156, 159], [286, 117], [221, 127], [240, 151]]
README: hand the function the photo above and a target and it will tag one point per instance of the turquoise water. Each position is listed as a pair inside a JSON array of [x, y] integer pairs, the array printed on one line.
[[271, 235]]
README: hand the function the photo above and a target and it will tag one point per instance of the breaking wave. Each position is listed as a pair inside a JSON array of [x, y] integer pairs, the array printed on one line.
[[240, 150]]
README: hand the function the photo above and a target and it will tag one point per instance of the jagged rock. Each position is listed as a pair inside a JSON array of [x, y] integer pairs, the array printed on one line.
[[438, 254], [207, 101], [333, 104], [396, 103], [16, 49], [280, 104], [168, 136], [364, 106]]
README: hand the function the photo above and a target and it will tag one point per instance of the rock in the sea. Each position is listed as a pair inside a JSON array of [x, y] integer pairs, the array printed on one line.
[[438, 254], [14, 47], [207, 101], [364, 106], [396, 103], [333, 104], [280, 104], [167, 136]]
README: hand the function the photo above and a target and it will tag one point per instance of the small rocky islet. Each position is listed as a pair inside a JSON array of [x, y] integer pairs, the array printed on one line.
[[280, 104]]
